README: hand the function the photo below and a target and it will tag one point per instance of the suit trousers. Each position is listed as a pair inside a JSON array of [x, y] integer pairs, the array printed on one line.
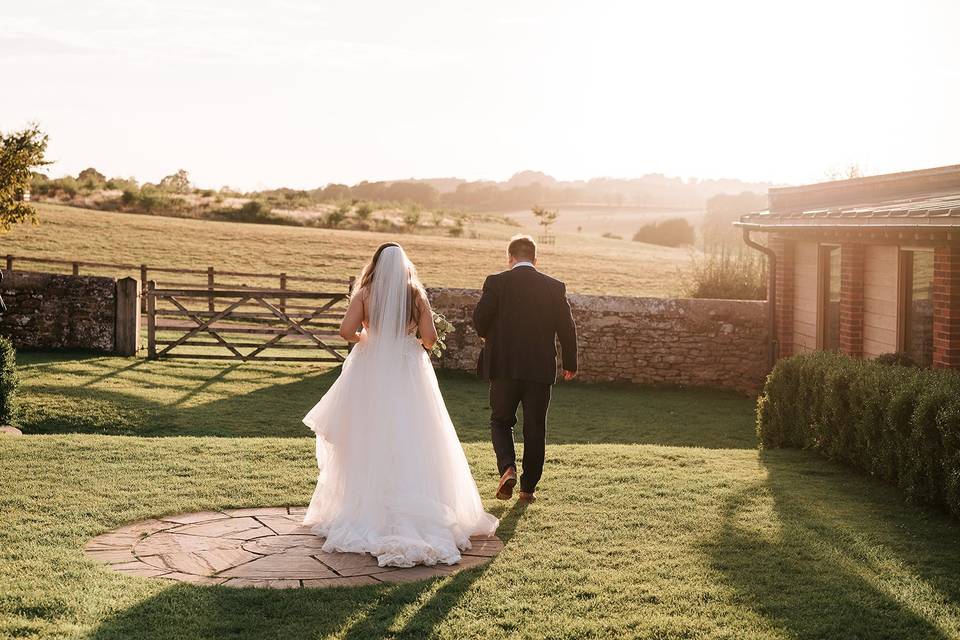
[[506, 395]]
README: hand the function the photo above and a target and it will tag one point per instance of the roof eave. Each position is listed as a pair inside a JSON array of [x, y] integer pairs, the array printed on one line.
[[767, 226]]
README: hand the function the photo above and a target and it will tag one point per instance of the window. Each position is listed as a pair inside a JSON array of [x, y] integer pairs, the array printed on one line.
[[916, 305], [828, 313]]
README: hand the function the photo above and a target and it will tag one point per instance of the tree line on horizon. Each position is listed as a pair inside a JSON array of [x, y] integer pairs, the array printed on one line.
[[522, 191]]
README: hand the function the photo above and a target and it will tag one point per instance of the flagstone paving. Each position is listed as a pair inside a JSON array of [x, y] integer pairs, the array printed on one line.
[[255, 547]]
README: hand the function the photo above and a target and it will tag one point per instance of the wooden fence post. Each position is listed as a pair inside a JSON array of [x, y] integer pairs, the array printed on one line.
[[210, 282], [9, 263], [126, 333], [143, 290], [283, 286], [151, 320], [76, 269]]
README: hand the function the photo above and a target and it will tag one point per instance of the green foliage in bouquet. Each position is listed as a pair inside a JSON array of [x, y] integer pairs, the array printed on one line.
[[443, 328]]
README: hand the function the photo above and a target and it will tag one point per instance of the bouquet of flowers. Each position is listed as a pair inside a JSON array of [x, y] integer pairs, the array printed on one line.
[[443, 328]]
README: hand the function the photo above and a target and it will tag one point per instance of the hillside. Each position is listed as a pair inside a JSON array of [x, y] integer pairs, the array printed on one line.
[[588, 264]]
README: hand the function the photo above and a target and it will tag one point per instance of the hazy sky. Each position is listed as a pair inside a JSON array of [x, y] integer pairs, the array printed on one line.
[[292, 93]]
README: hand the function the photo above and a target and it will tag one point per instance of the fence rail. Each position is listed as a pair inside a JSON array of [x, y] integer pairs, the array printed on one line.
[[210, 277]]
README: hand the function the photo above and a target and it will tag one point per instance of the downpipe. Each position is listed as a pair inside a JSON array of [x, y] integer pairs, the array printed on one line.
[[773, 348]]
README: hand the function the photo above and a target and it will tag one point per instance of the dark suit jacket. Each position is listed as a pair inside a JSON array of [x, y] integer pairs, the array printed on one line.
[[521, 314]]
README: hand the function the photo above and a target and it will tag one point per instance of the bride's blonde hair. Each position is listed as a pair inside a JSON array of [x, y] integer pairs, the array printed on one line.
[[365, 280]]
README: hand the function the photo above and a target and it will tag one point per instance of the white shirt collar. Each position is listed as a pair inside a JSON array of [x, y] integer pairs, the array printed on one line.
[[523, 263]]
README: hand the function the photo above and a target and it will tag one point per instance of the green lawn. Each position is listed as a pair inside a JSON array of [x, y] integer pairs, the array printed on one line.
[[118, 396], [630, 538]]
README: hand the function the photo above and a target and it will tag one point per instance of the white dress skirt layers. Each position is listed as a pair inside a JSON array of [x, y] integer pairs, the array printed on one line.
[[394, 481]]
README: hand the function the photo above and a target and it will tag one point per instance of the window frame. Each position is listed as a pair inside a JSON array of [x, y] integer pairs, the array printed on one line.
[[905, 292], [824, 249]]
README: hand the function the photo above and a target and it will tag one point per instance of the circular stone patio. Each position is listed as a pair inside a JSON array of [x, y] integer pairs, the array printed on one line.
[[259, 547]]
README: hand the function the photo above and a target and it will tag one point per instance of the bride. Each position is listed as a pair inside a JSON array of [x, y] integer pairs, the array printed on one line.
[[393, 481]]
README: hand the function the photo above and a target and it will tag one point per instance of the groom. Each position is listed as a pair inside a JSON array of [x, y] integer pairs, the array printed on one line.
[[519, 317]]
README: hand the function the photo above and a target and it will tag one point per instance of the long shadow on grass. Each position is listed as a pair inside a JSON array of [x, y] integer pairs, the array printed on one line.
[[187, 611], [580, 413], [843, 557]]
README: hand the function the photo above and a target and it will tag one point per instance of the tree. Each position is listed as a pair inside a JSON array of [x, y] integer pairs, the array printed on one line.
[[334, 191], [722, 210], [20, 153], [415, 192], [673, 232], [544, 217], [845, 172], [178, 182], [90, 178]]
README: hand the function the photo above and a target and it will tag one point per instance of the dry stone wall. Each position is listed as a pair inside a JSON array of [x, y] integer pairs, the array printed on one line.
[[53, 311], [688, 342]]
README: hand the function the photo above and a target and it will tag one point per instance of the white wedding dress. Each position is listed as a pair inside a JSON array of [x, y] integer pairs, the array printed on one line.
[[394, 481]]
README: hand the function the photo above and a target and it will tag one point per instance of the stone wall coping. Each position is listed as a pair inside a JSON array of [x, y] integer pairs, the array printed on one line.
[[36, 279], [630, 304]]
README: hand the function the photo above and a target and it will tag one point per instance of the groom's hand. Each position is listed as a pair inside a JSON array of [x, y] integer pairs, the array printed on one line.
[[569, 375]]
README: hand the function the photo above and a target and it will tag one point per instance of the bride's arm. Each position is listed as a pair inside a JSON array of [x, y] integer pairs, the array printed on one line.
[[428, 332], [353, 319]]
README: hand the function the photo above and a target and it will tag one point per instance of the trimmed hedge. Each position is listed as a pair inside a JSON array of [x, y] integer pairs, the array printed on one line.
[[8, 382], [901, 424]]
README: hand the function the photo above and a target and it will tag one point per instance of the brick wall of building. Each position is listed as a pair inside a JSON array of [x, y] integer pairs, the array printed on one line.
[[946, 307]]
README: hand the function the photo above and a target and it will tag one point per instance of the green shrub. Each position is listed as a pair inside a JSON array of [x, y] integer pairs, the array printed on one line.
[[66, 186], [252, 211], [899, 358], [411, 218], [123, 184], [901, 424], [673, 232], [364, 210], [338, 215], [8, 382], [729, 275]]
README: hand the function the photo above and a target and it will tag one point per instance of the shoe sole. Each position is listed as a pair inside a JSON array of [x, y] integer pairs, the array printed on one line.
[[505, 492]]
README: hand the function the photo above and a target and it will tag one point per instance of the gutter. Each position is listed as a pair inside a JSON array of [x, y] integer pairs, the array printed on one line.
[[764, 226], [773, 348]]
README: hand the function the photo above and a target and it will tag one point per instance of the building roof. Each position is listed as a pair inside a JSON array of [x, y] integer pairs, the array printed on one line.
[[929, 198]]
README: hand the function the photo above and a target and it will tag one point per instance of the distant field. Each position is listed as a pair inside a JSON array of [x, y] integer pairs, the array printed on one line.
[[598, 219], [587, 263]]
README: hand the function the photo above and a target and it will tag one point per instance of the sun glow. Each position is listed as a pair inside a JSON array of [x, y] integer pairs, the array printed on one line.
[[300, 94]]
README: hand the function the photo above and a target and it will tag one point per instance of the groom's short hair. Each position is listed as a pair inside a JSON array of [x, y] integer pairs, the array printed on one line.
[[522, 248]]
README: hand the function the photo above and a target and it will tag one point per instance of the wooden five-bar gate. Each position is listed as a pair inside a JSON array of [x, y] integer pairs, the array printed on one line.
[[245, 324]]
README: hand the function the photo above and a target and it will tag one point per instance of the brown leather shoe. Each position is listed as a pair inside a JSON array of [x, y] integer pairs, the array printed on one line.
[[507, 482], [527, 497]]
